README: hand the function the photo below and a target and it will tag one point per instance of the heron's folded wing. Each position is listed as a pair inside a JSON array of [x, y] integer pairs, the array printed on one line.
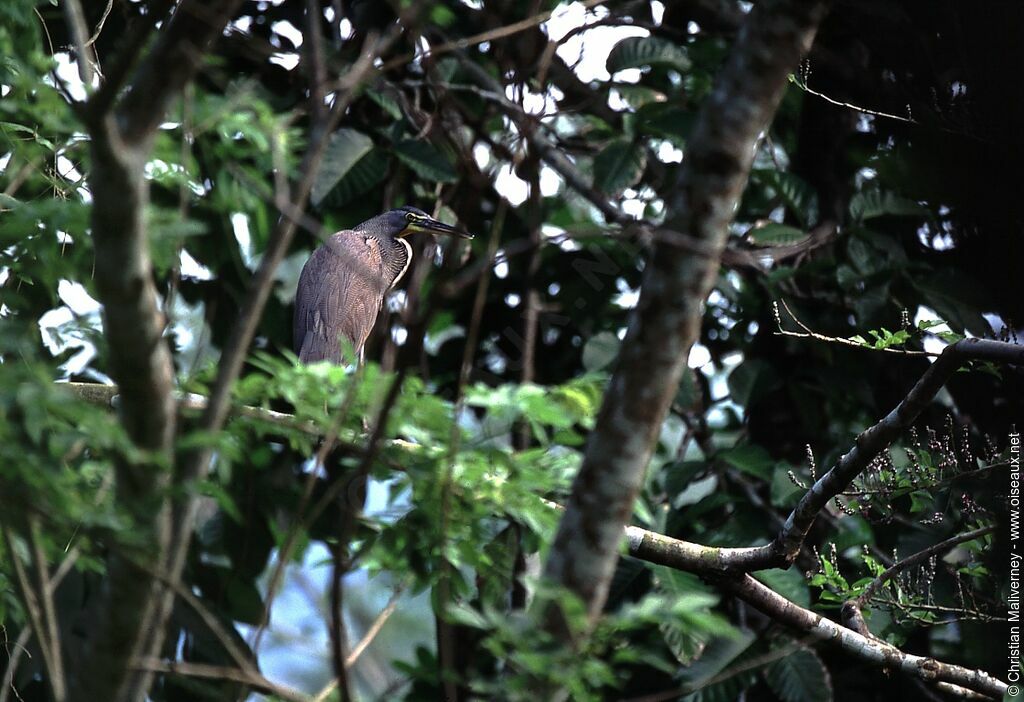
[[340, 292]]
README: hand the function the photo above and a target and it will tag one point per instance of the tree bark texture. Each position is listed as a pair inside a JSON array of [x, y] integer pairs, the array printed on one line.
[[676, 282], [128, 620]]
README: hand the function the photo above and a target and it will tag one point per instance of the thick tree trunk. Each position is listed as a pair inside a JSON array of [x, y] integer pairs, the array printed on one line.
[[667, 319]]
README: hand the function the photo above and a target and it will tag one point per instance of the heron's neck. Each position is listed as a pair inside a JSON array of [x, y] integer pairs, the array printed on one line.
[[397, 258]]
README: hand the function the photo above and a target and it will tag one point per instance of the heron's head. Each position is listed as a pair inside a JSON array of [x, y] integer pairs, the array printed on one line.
[[408, 220]]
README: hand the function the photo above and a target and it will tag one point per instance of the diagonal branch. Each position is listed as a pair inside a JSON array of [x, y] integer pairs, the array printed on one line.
[[872, 441], [667, 319], [173, 61], [919, 557], [249, 678], [867, 649], [39, 620]]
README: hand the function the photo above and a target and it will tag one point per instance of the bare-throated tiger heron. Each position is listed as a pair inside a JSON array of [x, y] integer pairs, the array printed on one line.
[[343, 283]]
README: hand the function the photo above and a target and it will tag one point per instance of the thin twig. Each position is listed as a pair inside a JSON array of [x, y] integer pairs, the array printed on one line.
[[375, 628], [13, 661], [99, 25], [217, 672], [29, 597], [367, 639], [44, 592], [347, 518], [445, 639], [808, 333], [75, 19], [284, 553], [489, 35], [117, 72], [920, 556], [801, 82]]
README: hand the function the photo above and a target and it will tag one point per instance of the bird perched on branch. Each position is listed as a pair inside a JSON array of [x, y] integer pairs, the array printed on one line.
[[343, 283]]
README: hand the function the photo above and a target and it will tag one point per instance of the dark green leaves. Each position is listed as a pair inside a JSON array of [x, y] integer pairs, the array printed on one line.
[[426, 161], [344, 150], [639, 52], [619, 166], [873, 203], [792, 191], [800, 677]]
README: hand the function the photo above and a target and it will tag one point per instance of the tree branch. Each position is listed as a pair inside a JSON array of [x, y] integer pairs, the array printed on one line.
[[919, 557], [38, 619], [779, 609], [667, 319], [173, 61], [872, 441], [216, 672], [129, 616]]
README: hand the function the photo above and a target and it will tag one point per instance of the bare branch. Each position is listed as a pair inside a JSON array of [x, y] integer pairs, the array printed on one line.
[[109, 396], [216, 672], [101, 23], [75, 18], [37, 619]]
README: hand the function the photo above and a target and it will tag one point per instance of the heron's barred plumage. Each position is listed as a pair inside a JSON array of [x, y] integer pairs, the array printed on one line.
[[342, 286]]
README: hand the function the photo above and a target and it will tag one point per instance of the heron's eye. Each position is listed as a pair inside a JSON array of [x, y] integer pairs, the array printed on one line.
[[410, 216]]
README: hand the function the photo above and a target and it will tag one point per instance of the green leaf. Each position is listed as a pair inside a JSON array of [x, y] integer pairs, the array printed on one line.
[[370, 170], [637, 52], [618, 166], [788, 583], [751, 459], [772, 234], [442, 16], [600, 350], [798, 197], [720, 652], [751, 380], [800, 677], [344, 149], [873, 203], [386, 102], [666, 120], [426, 161]]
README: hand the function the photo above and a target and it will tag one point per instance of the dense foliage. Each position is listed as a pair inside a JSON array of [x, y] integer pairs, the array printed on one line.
[[880, 215]]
